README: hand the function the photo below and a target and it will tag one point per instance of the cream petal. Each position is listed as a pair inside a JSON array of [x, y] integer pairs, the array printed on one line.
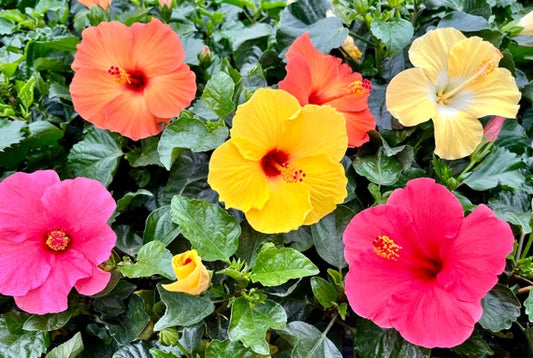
[[469, 56]]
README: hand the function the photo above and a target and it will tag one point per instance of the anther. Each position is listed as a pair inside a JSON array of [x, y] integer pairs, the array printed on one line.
[[359, 88], [386, 248], [57, 240]]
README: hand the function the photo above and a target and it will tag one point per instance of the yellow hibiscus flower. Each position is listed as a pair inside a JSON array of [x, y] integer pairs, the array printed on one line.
[[526, 22], [281, 165], [455, 81]]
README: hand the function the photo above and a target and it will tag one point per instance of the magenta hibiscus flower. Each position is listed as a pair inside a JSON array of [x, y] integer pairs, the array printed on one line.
[[53, 235], [419, 266]]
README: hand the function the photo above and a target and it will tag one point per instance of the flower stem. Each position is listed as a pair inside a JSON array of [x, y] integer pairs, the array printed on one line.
[[183, 349], [528, 246], [520, 246]]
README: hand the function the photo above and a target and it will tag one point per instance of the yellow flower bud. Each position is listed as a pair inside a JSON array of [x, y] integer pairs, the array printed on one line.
[[351, 49], [193, 277]]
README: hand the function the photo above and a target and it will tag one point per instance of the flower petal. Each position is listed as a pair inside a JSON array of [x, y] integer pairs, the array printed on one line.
[[477, 255], [167, 95], [261, 121], [428, 316], [241, 183], [298, 80], [411, 97], [92, 285], [128, 115], [358, 124], [457, 134], [156, 38], [468, 56], [285, 209], [430, 51]]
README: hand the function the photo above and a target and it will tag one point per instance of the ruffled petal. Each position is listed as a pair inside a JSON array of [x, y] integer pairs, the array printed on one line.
[[167, 95], [92, 285], [467, 57], [157, 50], [457, 134], [477, 255], [128, 115], [285, 210], [300, 137], [261, 121], [298, 80], [411, 97], [358, 124], [240, 183], [104, 4], [428, 316], [108, 44], [430, 52]]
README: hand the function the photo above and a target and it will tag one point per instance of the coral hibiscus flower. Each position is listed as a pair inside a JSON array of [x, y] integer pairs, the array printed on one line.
[[130, 80], [456, 80], [420, 266], [53, 236], [104, 4], [315, 78], [281, 165]]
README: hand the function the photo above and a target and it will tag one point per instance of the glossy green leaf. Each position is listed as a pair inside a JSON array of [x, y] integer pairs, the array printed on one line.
[[70, 349], [127, 326], [25, 92], [379, 169], [500, 309], [46, 322], [395, 34], [159, 226], [309, 342], [152, 259], [146, 154], [464, 22], [11, 132], [513, 207], [218, 94], [15, 342], [227, 348], [475, 346], [133, 199], [324, 292]]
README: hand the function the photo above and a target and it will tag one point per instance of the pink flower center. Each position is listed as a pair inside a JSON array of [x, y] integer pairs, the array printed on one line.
[[135, 81], [276, 163], [386, 247], [57, 240]]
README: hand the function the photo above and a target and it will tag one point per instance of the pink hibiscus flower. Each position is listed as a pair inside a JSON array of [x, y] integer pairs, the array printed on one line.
[[53, 235], [419, 266]]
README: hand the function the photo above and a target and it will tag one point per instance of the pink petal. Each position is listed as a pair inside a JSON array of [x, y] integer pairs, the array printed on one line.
[[477, 256], [92, 285], [427, 315], [436, 213]]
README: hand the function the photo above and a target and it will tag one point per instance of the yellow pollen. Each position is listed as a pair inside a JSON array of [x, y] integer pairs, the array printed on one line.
[[386, 248], [121, 76], [289, 173], [57, 240], [359, 88]]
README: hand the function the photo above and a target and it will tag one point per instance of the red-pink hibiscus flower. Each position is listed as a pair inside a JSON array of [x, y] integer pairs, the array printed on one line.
[[419, 266], [53, 235]]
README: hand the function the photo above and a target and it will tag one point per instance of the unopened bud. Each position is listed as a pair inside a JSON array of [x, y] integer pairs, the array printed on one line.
[[493, 128]]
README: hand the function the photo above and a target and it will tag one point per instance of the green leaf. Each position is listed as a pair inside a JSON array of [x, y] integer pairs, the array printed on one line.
[[218, 94], [500, 309], [147, 154], [528, 305], [96, 156], [25, 92], [308, 341], [327, 236], [70, 349], [250, 243], [500, 167], [15, 342], [395, 34], [188, 132], [133, 199], [135, 350], [183, 309], [227, 348], [464, 22], [159, 226], [47, 322], [379, 169], [241, 34], [513, 207], [249, 323], [475, 346], [127, 326], [212, 231], [152, 259], [274, 266], [324, 291], [127, 239], [11, 133]]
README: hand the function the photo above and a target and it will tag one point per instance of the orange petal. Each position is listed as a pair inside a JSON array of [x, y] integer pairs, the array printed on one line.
[[108, 44], [167, 95], [157, 49], [128, 115], [358, 124], [298, 80]]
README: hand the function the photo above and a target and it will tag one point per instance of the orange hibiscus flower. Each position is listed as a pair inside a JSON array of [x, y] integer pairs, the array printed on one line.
[[315, 78], [130, 80], [104, 4]]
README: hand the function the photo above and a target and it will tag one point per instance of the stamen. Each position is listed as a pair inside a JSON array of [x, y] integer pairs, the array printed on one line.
[[289, 173], [359, 88], [57, 240], [121, 76], [386, 248]]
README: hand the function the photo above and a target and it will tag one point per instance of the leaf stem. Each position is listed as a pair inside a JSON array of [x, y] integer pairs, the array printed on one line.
[[520, 246], [183, 349], [528, 246]]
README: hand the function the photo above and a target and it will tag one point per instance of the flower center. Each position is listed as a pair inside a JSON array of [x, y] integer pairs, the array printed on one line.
[[276, 163], [135, 81], [57, 240], [356, 89], [386, 247]]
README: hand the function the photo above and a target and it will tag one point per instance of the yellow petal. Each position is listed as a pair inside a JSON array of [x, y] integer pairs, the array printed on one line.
[[430, 51], [193, 277], [327, 185], [469, 56], [241, 183], [457, 133], [316, 130], [527, 23], [285, 210], [411, 96], [261, 121]]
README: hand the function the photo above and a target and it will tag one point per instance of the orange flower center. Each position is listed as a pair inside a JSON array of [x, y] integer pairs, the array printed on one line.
[[356, 88], [135, 81], [276, 163], [57, 240], [386, 247]]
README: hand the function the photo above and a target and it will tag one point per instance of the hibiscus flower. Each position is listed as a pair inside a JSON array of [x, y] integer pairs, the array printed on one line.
[[53, 236], [131, 80], [456, 80], [104, 4], [281, 165], [315, 78], [421, 267]]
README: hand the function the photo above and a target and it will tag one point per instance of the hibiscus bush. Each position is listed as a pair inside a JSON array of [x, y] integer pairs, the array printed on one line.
[[263, 178]]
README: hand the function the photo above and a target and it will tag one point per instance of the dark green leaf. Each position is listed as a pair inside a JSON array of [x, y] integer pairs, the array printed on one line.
[[218, 94], [379, 169], [15, 342], [395, 34], [127, 239], [528, 305], [152, 259], [227, 348], [135, 350], [241, 34], [308, 341], [500, 309], [47, 322], [324, 292], [147, 154], [475, 346], [464, 22], [11, 133], [133, 199], [513, 207], [250, 243], [127, 326], [70, 349], [159, 226]]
